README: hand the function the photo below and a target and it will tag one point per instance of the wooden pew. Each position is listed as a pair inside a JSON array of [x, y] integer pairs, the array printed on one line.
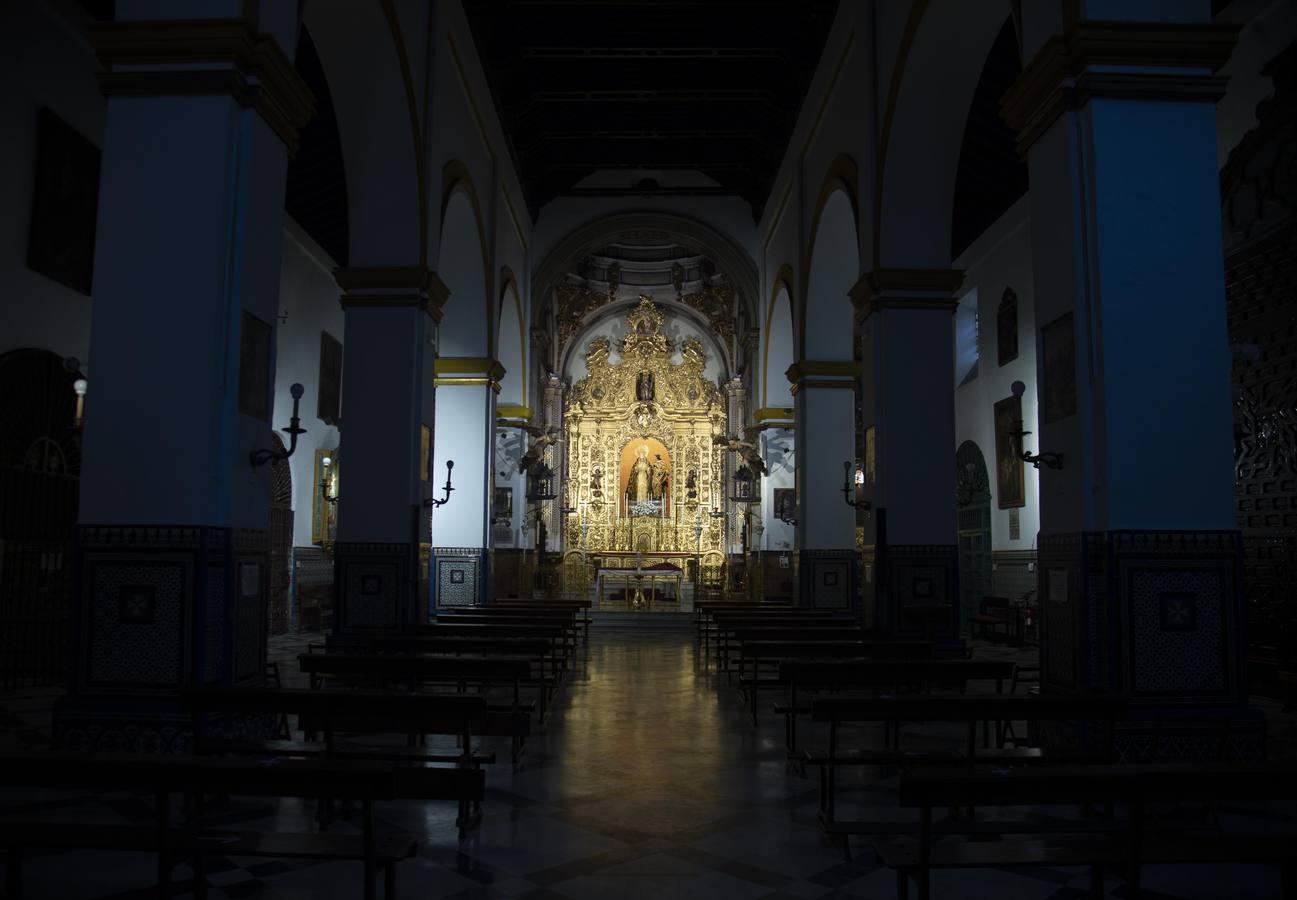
[[580, 607], [967, 709], [874, 675], [703, 610], [723, 633], [711, 618], [1138, 839], [413, 671], [828, 647], [485, 615], [537, 650], [194, 776]]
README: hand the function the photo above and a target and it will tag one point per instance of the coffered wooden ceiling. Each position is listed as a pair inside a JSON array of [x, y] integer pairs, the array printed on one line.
[[590, 85]]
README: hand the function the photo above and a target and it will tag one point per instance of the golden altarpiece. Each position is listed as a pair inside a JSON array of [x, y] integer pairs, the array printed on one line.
[[644, 478]]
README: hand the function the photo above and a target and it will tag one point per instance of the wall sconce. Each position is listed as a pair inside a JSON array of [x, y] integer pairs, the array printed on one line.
[[716, 512], [1049, 458], [746, 486], [325, 480], [450, 464], [79, 388], [853, 485], [567, 508], [261, 457]]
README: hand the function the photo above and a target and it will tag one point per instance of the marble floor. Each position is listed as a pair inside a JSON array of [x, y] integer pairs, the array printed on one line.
[[649, 781]]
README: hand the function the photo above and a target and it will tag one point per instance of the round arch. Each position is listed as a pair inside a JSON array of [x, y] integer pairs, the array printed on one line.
[[779, 346], [372, 87], [826, 312], [468, 319], [730, 257], [712, 347], [937, 69], [510, 344]]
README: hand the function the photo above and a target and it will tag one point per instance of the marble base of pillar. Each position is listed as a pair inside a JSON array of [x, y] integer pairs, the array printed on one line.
[[160, 609], [827, 579], [916, 595], [374, 589], [459, 576], [1155, 616]]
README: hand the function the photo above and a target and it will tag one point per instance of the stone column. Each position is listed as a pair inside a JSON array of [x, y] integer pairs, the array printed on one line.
[[824, 397], [385, 448], [172, 551], [1139, 553], [466, 393], [907, 408]]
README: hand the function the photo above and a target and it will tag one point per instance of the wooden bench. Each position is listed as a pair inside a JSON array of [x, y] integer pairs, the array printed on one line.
[[323, 714], [970, 710], [540, 646], [877, 675], [411, 672], [194, 776], [730, 634], [486, 615], [1140, 838], [711, 623], [581, 608], [993, 613]]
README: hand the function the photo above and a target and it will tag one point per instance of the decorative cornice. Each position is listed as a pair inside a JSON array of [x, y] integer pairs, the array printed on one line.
[[773, 414], [823, 373], [253, 68], [392, 286], [514, 411], [470, 365], [914, 289], [1086, 62]]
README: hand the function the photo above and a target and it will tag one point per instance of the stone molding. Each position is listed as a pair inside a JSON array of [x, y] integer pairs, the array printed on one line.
[[164, 57], [1096, 59], [380, 287], [912, 289]]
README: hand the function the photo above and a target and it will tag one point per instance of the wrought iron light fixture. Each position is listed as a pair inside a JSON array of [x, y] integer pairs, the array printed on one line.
[[746, 486], [1048, 457], [540, 483], [432, 501], [261, 457], [853, 485]]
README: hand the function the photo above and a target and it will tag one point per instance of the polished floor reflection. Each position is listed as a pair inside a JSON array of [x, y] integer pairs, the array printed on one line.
[[648, 781]]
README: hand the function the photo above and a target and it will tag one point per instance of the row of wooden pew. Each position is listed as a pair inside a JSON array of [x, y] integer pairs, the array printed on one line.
[[860, 692], [385, 717]]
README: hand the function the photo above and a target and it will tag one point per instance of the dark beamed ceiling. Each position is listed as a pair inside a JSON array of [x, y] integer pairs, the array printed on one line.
[[590, 85]]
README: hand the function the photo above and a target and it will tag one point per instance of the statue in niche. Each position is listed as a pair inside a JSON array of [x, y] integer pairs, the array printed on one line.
[[641, 477], [644, 387], [661, 479], [596, 483]]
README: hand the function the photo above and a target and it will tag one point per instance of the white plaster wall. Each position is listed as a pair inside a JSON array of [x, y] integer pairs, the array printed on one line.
[[44, 62], [308, 297], [1001, 258], [465, 432], [778, 449]]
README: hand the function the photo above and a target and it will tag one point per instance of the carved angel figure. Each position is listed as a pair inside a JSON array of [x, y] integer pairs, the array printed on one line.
[[746, 449], [541, 437]]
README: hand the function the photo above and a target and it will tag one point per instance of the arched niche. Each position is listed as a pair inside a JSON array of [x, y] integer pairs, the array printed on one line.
[[372, 92], [466, 319], [834, 268], [929, 93], [510, 348], [780, 348]]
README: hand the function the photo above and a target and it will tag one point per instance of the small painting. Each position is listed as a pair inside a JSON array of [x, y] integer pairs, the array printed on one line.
[[1058, 393], [254, 367], [329, 397], [1010, 478], [785, 504], [425, 453], [65, 204], [871, 457], [1006, 327], [502, 505]]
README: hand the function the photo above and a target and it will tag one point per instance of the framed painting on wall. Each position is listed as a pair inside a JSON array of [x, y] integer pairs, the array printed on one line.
[[323, 512], [65, 204], [1058, 393], [425, 453], [328, 401], [1010, 477], [785, 504], [502, 505], [871, 457]]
